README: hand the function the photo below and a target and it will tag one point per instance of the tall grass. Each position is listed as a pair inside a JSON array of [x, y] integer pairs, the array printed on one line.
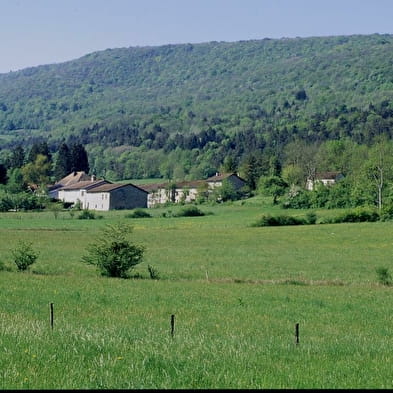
[[234, 290]]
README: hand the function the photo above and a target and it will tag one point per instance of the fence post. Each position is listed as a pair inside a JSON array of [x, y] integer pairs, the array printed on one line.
[[51, 316], [297, 333], [172, 325]]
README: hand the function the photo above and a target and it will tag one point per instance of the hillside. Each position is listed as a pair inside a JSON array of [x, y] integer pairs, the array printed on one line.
[[241, 96]]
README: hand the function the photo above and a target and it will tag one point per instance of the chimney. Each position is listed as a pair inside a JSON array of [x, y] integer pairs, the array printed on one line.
[[93, 177]]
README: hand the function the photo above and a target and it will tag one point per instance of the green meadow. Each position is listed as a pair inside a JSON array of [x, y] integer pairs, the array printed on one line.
[[236, 293]]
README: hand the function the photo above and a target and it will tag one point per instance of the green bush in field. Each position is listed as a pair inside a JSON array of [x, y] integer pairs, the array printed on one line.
[[88, 215], [355, 215], [280, 220], [154, 273], [24, 255], [384, 276], [386, 213], [311, 218], [138, 213], [112, 253], [190, 211]]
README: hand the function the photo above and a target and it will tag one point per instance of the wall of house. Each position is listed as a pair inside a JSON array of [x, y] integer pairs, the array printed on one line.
[[185, 195], [72, 196], [237, 183], [127, 197], [157, 197], [97, 201]]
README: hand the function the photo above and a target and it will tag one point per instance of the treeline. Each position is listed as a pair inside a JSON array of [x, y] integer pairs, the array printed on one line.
[[150, 150], [26, 170]]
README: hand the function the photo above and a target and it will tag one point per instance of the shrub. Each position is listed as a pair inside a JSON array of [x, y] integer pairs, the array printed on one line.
[[386, 213], [384, 276], [355, 215], [24, 255], [190, 211], [112, 253], [138, 213], [88, 215], [4, 267], [154, 274], [280, 220], [297, 199], [311, 218]]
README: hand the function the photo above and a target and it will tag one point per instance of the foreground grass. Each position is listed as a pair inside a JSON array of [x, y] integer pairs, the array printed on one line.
[[112, 333], [236, 293]]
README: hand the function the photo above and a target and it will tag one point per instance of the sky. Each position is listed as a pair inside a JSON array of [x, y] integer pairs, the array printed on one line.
[[37, 32]]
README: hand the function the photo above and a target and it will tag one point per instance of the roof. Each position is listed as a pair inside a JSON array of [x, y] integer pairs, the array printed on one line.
[[85, 185], [222, 176], [153, 186], [192, 184], [182, 184], [327, 175], [108, 187], [74, 177]]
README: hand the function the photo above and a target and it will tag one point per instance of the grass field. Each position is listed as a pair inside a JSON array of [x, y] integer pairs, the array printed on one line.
[[236, 292]]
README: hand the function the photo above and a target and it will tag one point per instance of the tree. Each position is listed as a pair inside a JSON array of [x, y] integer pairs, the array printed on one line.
[[16, 182], [273, 186], [63, 162], [3, 174], [24, 255], [37, 172], [379, 166], [39, 148], [17, 157], [293, 175], [228, 192], [252, 170], [79, 159], [112, 253]]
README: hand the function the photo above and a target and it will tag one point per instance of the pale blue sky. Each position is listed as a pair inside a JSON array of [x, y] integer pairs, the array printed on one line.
[[34, 32]]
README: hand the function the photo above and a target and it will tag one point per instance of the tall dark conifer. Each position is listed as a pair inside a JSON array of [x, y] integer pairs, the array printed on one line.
[[39, 148], [63, 165], [79, 160], [3, 174], [17, 157]]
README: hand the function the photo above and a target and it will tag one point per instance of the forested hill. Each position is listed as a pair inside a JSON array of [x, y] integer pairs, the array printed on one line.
[[237, 96]]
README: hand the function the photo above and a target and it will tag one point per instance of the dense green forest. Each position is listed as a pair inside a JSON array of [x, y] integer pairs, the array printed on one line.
[[185, 111]]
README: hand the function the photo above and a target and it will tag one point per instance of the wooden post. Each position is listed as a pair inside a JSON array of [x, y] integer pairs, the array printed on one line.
[[172, 325], [51, 315], [297, 333]]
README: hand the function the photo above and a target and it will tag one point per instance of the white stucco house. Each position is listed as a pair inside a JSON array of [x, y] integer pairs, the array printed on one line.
[[104, 195], [111, 196], [72, 178], [325, 178], [188, 191], [77, 192]]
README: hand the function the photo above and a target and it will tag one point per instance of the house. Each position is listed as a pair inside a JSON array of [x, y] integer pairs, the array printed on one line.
[[109, 196], [187, 191], [76, 192], [233, 178], [181, 192], [72, 178], [325, 178]]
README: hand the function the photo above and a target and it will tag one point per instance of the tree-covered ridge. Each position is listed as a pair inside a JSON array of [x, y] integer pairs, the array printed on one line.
[[187, 109]]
